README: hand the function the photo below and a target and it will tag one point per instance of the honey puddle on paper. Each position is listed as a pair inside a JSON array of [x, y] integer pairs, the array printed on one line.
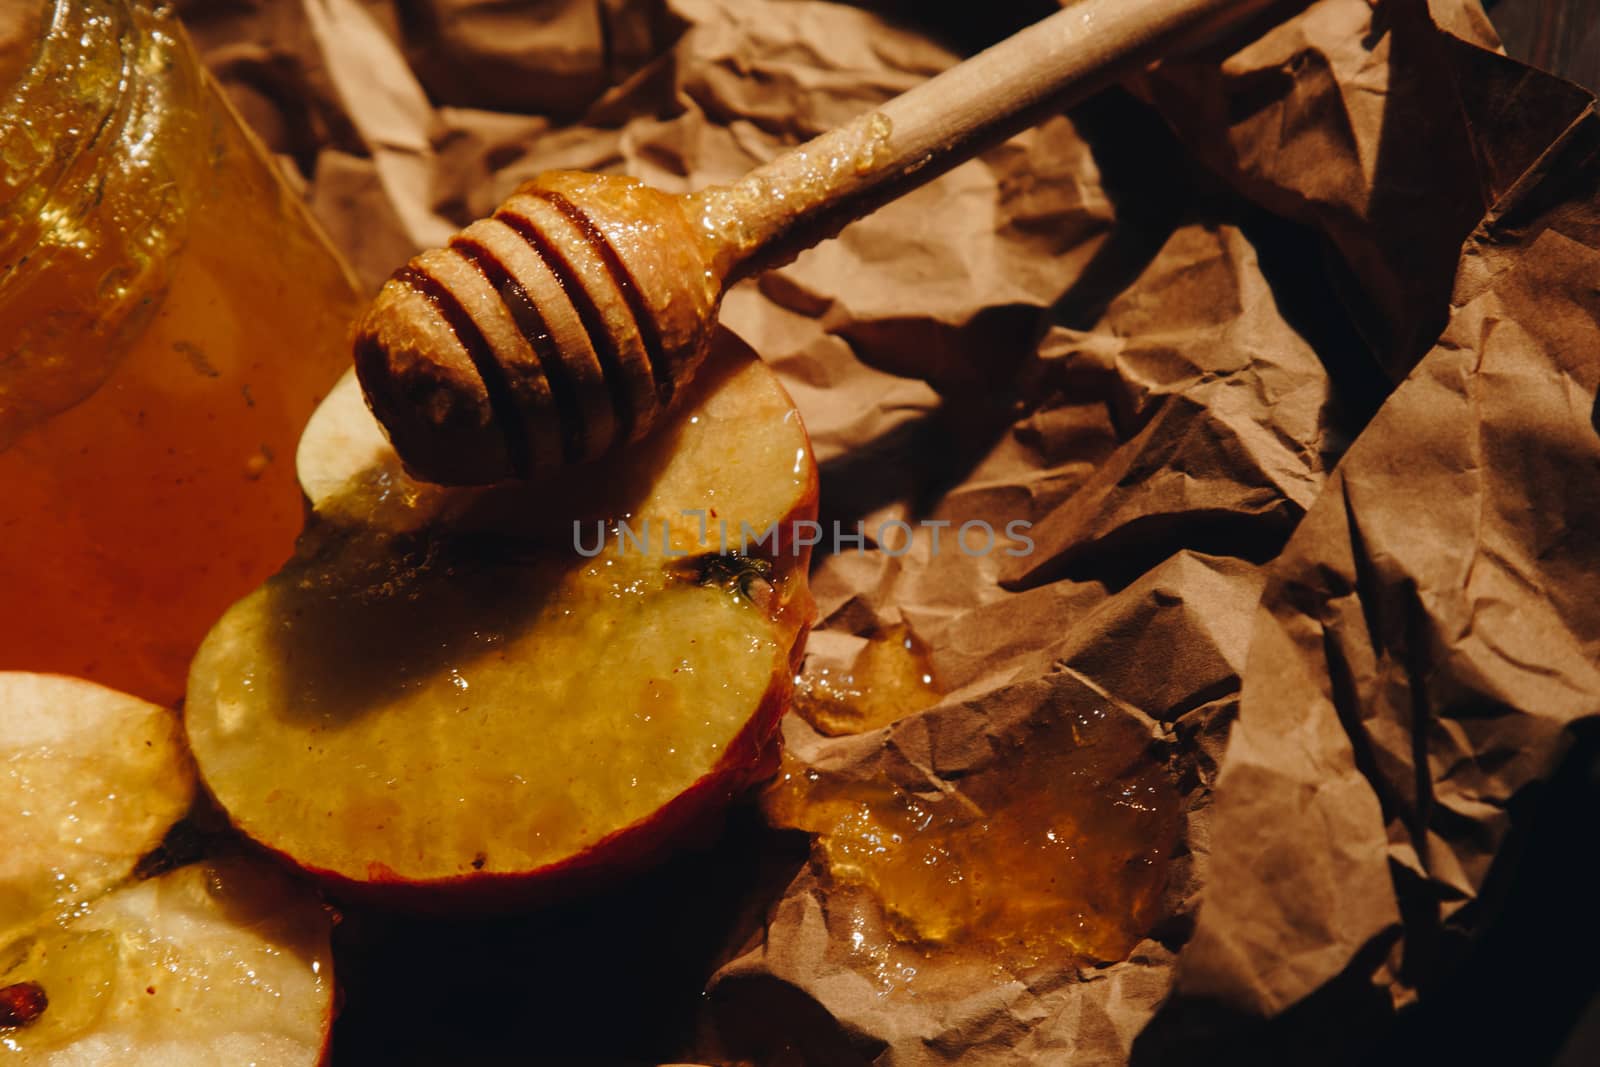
[[890, 678], [1060, 853]]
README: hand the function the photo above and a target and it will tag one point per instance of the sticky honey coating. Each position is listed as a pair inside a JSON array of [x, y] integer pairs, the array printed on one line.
[[602, 346], [577, 313], [743, 225], [672, 271], [423, 387], [891, 677], [1060, 851]]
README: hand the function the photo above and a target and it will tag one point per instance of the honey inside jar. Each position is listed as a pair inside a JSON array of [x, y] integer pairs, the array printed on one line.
[[169, 317], [1059, 848]]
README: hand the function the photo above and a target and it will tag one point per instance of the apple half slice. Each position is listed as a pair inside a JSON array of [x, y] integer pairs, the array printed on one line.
[[223, 961], [90, 781], [453, 698]]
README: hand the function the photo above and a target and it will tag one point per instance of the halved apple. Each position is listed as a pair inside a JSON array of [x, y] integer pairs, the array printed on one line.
[[90, 780], [216, 962], [461, 697]]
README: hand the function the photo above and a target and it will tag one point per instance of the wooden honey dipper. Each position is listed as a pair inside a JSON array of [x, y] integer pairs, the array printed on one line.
[[561, 327]]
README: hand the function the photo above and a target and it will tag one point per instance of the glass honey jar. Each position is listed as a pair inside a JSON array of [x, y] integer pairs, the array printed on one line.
[[169, 317]]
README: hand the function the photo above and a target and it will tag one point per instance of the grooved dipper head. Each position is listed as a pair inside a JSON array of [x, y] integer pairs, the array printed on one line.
[[553, 332]]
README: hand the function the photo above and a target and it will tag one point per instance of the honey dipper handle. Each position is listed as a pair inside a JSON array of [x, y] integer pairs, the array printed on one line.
[[808, 194]]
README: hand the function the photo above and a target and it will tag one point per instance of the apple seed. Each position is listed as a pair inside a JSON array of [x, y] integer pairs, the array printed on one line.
[[21, 1004], [749, 576]]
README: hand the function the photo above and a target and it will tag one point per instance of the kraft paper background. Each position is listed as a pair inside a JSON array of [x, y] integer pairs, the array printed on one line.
[[1288, 348]]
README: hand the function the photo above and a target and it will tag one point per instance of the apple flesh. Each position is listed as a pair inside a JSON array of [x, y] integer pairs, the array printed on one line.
[[90, 781], [217, 962], [222, 961], [442, 702]]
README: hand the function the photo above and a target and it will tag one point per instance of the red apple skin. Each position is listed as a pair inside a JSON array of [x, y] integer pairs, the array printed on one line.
[[750, 758], [335, 1006]]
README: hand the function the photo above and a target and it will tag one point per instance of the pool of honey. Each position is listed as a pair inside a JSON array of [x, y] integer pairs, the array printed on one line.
[[1056, 849], [133, 518], [891, 677]]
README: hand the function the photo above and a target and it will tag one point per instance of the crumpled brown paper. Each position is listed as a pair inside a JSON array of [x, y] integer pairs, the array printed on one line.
[[1159, 328]]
